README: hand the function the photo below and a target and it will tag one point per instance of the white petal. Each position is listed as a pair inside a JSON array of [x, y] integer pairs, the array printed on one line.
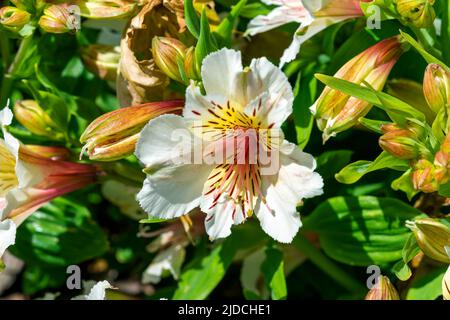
[[197, 105], [98, 292], [170, 260], [295, 180], [306, 31], [7, 235], [164, 141], [266, 78], [277, 17], [173, 191], [220, 218], [220, 70]]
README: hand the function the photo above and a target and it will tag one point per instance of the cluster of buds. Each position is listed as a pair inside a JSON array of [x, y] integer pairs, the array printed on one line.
[[36, 120], [404, 142], [417, 13], [382, 290], [336, 111], [113, 135], [13, 19], [102, 60], [174, 59], [432, 236], [430, 168]]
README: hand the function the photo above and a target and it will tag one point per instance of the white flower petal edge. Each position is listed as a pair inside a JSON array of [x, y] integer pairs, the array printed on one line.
[[296, 180], [7, 235], [169, 260], [97, 292]]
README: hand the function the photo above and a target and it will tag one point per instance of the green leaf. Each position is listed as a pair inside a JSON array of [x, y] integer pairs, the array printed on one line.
[[61, 233], [330, 162], [273, 271], [36, 278], [356, 170], [444, 190], [206, 272], [373, 125], [428, 286], [205, 44], [427, 56], [362, 230], [404, 183], [225, 29], [254, 9], [394, 107], [191, 18], [402, 270], [304, 92], [156, 220]]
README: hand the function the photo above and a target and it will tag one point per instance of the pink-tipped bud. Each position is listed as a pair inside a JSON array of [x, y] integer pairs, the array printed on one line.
[[113, 135], [383, 290], [400, 144], [436, 87], [336, 111], [110, 9]]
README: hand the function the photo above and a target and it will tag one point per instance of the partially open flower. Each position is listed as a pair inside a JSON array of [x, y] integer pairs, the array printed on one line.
[[169, 54], [432, 236], [29, 179], [102, 60], [418, 13], [60, 18], [336, 111], [114, 135], [436, 87], [36, 120], [383, 290], [13, 18], [313, 16]]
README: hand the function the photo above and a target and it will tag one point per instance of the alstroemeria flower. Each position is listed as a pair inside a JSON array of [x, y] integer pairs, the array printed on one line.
[[242, 107], [313, 16], [30, 178]]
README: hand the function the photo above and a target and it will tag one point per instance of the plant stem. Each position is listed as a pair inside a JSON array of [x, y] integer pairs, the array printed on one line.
[[8, 78], [328, 266], [445, 30], [4, 50]]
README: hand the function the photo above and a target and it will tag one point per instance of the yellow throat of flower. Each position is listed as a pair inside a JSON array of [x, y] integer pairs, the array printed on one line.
[[8, 179]]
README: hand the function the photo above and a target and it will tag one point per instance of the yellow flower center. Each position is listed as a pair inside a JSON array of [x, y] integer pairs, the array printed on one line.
[[8, 179]]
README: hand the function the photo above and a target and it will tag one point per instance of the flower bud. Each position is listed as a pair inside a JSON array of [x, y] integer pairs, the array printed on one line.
[[110, 9], [190, 65], [13, 19], [423, 177], [442, 166], [418, 13], [411, 92], [401, 144], [383, 290], [36, 120], [167, 52], [113, 135], [60, 18], [102, 60], [334, 110], [432, 236], [436, 87], [446, 284]]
